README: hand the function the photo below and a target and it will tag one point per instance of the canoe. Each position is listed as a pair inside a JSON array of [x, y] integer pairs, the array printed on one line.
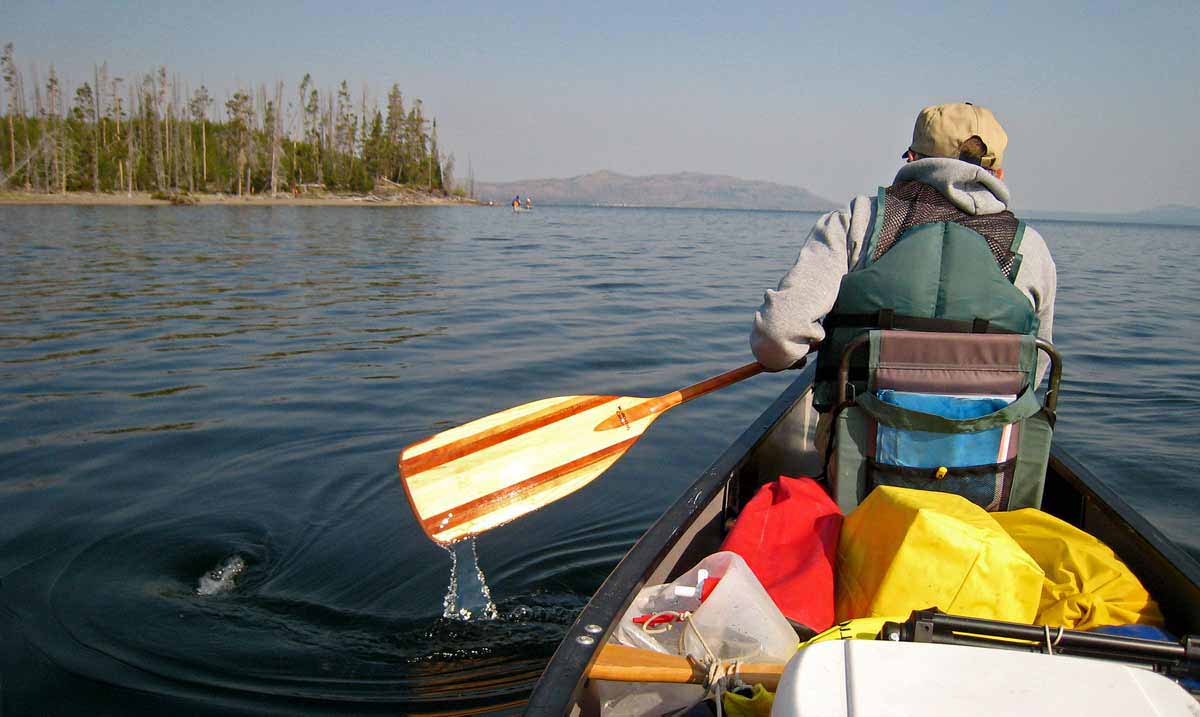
[[694, 526]]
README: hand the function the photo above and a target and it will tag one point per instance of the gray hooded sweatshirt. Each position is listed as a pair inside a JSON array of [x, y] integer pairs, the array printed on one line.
[[788, 321]]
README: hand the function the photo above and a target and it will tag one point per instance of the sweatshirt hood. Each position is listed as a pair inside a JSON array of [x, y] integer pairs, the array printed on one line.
[[969, 187]]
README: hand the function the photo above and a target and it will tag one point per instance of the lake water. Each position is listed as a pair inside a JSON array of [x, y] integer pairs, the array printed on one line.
[[186, 389]]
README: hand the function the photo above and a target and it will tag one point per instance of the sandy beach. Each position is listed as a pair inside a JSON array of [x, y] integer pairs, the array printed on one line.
[[391, 199]]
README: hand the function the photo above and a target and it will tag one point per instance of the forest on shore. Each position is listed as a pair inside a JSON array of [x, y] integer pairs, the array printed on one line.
[[153, 134]]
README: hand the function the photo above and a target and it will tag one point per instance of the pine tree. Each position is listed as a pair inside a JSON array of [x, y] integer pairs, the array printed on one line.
[[83, 116], [394, 159], [414, 144], [375, 150], [345, 131]]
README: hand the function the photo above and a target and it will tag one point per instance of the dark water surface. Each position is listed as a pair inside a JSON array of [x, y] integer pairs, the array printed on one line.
[[185, 387]]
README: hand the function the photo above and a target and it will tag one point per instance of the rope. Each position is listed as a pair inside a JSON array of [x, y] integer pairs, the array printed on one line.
[[709, 655], [1051, 645], [717, 675], [652, 625]]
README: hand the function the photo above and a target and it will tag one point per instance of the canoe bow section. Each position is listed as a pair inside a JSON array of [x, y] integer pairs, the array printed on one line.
[[492, 470]]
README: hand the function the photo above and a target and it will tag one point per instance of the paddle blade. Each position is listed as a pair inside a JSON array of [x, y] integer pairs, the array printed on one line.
[[488, 472]]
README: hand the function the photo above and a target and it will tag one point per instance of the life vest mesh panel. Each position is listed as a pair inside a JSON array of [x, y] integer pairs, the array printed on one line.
[[912, 203]]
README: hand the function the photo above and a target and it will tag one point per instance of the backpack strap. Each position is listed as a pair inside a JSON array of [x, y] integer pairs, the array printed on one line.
[[1015, 248], [1026, 405], [868, 251]]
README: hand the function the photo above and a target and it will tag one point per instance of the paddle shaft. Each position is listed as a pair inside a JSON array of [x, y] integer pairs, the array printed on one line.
[[661, 403], [620, 663]]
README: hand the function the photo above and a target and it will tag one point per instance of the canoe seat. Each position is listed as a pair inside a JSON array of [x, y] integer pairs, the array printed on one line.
[[950, 412]]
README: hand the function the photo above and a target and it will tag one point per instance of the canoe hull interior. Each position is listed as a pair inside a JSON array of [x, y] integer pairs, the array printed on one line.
[[780, 442]]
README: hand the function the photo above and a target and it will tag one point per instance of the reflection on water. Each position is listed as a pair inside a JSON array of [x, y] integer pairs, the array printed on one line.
[[184, 388]]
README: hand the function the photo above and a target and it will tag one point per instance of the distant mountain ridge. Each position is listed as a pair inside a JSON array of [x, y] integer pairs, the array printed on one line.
[[684, 189], [716, 191], [1170, 214]]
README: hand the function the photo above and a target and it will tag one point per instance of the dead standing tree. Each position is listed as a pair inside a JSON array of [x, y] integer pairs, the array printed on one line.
[[131, 139], [151, 130], [305, 126], [147, 141], [57, 179], [98, 119], [175, 141], [16, 105], [241, 116], [276, 129], [199, 108]]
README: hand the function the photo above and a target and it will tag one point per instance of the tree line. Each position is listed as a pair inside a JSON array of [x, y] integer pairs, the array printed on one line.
[[151, 133]]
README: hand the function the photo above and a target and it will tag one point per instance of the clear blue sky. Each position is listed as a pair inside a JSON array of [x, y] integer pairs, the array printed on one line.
[[1101, 100]]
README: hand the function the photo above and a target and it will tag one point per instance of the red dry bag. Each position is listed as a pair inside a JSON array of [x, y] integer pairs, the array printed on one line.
[[788, 535]]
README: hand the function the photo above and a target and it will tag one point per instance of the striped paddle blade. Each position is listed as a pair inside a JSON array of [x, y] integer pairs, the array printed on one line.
[[490, 471], [483, 474]]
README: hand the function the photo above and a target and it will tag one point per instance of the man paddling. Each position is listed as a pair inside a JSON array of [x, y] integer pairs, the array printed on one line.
[[847, 280]]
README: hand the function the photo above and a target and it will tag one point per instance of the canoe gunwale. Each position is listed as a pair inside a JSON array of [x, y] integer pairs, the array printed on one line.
[[1168, 571]]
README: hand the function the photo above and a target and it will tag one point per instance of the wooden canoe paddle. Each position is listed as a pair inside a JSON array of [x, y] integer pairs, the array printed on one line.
[[485, 473], [620, 663]]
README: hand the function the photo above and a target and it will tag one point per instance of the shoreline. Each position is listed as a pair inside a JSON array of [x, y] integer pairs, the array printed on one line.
[[144, 199]]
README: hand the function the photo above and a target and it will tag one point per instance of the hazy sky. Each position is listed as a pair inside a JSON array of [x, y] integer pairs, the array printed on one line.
[[1101, 100]]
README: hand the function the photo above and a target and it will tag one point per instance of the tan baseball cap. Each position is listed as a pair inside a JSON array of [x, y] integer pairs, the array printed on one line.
[[941, 129]]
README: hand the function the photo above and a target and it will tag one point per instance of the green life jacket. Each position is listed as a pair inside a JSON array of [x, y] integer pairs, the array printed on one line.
[[927, 266]]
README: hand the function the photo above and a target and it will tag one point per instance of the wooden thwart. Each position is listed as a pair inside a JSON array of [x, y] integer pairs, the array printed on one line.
[[485, 473], [620, 663]]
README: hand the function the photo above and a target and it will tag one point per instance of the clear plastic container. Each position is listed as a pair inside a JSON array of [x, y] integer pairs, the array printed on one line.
[[736, 620]]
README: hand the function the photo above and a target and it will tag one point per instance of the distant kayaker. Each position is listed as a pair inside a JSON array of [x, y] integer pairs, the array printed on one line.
[[952, 177], [516, 203]]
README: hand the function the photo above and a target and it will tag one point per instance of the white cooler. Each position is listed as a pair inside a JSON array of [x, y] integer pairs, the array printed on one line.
[[865, 678]]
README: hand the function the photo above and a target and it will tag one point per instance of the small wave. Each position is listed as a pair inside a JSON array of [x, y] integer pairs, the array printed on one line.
[[165, 391], [187, 426]]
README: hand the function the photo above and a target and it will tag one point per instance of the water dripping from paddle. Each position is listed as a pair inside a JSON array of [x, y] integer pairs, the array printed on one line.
[[468, 595]]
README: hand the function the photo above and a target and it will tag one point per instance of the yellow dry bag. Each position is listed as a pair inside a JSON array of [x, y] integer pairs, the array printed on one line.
[[903, 550], [1086, 584]]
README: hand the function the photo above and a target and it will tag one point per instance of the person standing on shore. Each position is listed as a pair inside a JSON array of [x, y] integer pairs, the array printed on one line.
[[845, 281]]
